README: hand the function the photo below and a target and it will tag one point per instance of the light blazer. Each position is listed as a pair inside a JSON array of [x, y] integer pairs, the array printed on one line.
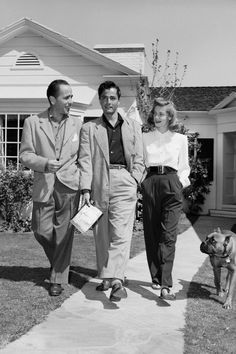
[[94, 157], [38, 146]]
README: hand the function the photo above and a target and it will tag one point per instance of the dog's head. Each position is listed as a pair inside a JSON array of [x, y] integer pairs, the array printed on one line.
[[218, 243]]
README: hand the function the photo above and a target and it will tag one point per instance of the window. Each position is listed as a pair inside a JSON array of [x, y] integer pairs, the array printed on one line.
[[11, 126]]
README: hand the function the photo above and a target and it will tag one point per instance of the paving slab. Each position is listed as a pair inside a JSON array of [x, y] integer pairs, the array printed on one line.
[[88, 323]]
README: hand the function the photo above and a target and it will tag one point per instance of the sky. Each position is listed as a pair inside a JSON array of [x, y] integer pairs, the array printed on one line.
[[202, 31]]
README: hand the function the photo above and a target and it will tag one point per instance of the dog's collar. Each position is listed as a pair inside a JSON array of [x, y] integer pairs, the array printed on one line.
[[226, 257], [225, 253]]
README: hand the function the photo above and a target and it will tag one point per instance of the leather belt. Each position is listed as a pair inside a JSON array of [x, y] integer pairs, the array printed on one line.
[[161, 170], [116, 166]]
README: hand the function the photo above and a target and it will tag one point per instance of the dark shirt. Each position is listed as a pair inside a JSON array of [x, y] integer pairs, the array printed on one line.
[[115, 142]]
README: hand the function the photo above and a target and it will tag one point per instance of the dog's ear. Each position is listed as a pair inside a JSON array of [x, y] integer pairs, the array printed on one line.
[[226, 242], [227, 239]]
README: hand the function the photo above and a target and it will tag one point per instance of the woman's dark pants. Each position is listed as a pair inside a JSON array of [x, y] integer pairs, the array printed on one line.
[[161, 211]]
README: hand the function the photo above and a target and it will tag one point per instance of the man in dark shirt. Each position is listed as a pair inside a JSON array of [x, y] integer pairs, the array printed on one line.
[[111, 162]]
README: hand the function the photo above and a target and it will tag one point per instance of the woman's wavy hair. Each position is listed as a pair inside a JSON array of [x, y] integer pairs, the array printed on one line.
[[170, 109]]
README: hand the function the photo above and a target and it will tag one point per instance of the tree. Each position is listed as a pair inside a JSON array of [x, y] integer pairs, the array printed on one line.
[[164, 76]]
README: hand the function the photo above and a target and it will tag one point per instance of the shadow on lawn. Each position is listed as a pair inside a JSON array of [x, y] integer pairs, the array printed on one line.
[[195, 290], [40, 276]]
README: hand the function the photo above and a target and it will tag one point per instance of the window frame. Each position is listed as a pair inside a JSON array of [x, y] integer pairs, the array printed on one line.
[[4, 157]]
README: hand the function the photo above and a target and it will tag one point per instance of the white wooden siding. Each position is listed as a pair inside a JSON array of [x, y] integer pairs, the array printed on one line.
[[56, 61]]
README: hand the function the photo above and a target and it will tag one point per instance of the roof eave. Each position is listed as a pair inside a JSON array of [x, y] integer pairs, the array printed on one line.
[[20, 26], [221, 110], [227, 100]]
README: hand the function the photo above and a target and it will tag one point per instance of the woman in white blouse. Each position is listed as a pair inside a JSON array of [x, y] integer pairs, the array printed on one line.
[[166, 160]]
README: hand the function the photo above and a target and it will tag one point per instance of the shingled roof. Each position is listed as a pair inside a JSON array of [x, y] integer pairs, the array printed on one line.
[[198, 98]]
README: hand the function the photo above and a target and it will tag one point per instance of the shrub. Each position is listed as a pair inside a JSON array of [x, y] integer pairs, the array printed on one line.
[[199, 187], [195, 194], [15, 193]]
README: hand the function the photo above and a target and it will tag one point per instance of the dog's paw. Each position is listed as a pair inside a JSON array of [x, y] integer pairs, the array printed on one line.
[[227, 305]]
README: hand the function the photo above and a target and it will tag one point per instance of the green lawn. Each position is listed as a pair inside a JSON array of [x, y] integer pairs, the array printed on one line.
[[209, 328]]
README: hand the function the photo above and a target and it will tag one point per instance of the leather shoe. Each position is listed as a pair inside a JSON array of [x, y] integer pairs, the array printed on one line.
[[114, 298], [55, 289], [118, 292], [166, 294], [104, 286]]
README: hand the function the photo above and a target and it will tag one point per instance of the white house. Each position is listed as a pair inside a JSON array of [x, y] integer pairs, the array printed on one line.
[[211, 111], [31, 56]]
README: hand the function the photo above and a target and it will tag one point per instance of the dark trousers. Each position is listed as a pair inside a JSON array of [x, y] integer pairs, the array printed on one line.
[[53, 230], [161, 211]]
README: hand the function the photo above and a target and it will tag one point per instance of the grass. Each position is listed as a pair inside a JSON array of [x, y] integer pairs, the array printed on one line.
[[209, 328], [24, 299]]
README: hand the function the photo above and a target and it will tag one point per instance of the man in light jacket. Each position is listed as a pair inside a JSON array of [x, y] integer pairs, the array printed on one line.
[[49, 147], [111, 166]]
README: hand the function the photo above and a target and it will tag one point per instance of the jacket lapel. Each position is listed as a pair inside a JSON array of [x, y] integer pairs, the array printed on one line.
[[100, 134], [127, 136], [45, 125], [69, 129]]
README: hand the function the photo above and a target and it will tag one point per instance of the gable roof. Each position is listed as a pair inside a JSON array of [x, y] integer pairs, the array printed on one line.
[[200, 98], [25, 24]]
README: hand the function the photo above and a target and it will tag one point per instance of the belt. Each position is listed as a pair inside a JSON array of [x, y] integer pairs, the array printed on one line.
[[116, 166], [161, 170]]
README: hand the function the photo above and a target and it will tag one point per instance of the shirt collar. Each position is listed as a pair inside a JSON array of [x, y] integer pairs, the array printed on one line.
[[168, 132], [120, 120], [51, 118]]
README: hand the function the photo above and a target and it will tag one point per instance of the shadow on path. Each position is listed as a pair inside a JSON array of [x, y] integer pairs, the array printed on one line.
[[40, 276], [139, 287]]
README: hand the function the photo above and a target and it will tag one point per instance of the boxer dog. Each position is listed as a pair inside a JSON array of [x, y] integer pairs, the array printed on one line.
[[220, 245]]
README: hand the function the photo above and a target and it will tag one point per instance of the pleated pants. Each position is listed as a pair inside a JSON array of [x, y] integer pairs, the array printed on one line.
[[113, 231], [53, 230], [162, 206]]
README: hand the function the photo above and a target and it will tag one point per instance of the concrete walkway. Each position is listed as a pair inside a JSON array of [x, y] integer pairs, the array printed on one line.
[[141, 324]]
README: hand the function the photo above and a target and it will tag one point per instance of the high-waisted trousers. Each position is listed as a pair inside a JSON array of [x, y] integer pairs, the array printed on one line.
[[162, 206], [53, 230], [113, 231]]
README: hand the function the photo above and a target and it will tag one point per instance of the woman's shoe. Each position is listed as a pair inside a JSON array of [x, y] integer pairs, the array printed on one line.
[[104, 286], [155, 285], [166, 294]]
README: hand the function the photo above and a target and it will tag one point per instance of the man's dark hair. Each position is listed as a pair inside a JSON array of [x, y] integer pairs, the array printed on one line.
[[106, 85], [54, 88]]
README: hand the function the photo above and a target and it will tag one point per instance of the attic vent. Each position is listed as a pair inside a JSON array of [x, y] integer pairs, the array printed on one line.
[[27, 59]]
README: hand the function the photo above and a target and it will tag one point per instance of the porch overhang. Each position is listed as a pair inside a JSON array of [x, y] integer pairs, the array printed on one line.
[[82, 95]]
